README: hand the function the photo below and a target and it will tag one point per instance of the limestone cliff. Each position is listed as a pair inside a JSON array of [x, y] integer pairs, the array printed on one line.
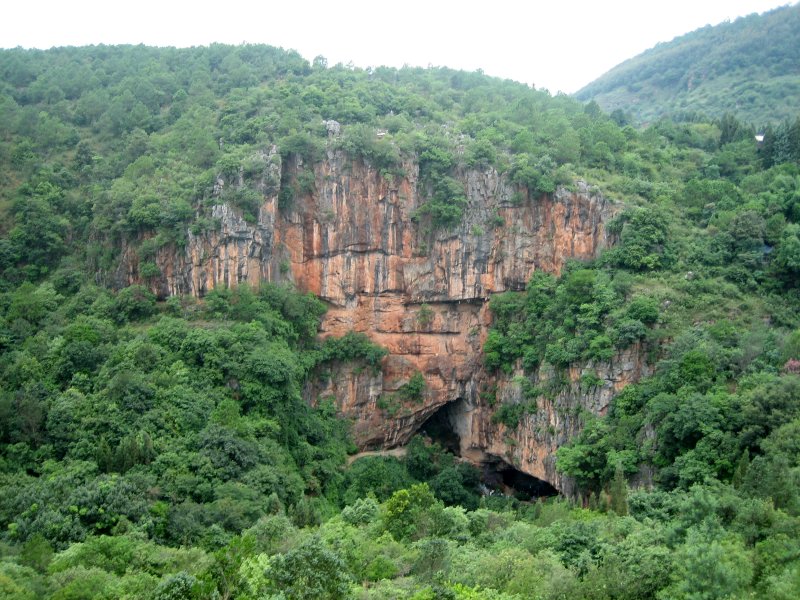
[[423, 293]]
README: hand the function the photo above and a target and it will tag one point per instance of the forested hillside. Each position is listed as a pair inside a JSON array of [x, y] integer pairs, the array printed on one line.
[[163, 446], [749, 68]]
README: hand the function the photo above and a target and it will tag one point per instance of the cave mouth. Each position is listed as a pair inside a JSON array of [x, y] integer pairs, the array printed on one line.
[[499, 475], [446, 426], [442, 426]]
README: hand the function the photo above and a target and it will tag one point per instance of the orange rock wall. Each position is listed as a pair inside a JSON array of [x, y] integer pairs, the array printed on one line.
[[421, 293]]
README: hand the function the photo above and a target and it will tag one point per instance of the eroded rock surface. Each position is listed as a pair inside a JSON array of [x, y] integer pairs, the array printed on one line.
[[420, 292]]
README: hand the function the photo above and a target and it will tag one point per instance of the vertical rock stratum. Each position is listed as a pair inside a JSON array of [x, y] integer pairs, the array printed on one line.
[[419, 291]]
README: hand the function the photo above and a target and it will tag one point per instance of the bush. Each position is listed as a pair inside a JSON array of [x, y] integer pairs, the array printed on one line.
[[133, 303], [414, 389], [352, 346], [510, 415], [180, 586], [643, 236]]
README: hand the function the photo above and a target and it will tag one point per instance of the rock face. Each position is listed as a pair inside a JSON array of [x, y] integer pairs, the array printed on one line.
[[420, 292], [532, 445]]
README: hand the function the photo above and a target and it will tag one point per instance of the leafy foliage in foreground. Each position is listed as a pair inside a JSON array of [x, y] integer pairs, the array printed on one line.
[[710, 541], [186, 430]]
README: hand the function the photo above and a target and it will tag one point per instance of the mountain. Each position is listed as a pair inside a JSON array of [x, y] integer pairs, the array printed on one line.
[[280, 329], [749, 68]]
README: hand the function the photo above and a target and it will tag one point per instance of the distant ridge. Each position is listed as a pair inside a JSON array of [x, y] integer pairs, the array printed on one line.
[[749, 67]]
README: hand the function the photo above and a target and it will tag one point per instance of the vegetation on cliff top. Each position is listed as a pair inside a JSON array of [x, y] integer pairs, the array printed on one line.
[[162, 449]]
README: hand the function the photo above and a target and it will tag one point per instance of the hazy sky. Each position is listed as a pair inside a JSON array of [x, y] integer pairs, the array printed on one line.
[[557, 44]]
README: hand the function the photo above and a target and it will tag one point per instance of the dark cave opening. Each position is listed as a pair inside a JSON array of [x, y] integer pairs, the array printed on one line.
[[527, 485], [445, 427], [441, 427], [499, 475]]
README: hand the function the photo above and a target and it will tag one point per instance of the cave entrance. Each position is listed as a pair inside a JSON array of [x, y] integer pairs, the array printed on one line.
[[501, 476], [450, 423], [527, 487], [445, 425]]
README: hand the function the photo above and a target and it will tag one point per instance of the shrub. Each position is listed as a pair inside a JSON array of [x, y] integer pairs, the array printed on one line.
[[414, 389]]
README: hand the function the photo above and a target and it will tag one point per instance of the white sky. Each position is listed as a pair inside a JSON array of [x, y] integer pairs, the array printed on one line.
[[557, 44]]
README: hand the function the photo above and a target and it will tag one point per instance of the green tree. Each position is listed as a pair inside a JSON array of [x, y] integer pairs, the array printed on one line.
[[406, 511], [710, 569], [309, 572], [619, 492]]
